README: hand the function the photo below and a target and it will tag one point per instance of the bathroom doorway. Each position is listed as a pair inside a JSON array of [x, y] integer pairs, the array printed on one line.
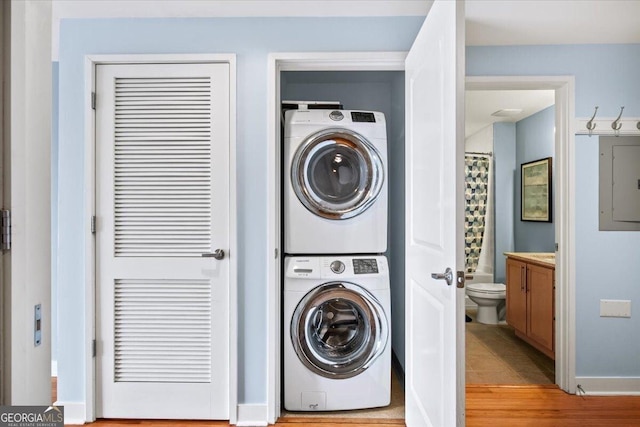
[[503, 129]]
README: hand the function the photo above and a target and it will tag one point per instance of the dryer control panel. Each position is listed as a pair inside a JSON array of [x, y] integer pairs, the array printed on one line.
[[337, 267]]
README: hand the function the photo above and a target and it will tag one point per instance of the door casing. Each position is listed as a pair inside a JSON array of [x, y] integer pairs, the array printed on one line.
[[564, 197], [91, 62]]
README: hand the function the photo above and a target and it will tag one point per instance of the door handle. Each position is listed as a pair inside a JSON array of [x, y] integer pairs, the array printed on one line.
[[218, 254], [448, 276]]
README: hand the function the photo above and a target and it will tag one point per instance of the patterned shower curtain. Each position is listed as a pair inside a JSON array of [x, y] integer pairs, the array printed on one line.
[[476, 190]]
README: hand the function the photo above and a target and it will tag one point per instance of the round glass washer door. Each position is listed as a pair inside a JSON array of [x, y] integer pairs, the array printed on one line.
[[338, 330], [337, 174]]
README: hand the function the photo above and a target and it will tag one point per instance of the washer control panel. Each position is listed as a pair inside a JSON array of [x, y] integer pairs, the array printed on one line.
[[335, 267]]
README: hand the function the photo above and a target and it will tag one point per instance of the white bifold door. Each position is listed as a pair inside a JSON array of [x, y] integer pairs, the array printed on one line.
[[162, 240], [434, 75]]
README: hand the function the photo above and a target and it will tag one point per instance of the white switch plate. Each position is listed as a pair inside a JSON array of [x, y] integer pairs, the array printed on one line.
[[615, 308]]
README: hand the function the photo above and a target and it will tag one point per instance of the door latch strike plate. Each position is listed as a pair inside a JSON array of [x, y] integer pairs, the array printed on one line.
[[460, 279]]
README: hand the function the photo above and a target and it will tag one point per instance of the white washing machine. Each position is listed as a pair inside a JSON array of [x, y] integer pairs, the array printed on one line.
[[337, 343], [335, 182]]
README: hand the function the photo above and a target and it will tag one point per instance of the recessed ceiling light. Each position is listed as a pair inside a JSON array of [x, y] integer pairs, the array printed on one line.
[[507, 112]]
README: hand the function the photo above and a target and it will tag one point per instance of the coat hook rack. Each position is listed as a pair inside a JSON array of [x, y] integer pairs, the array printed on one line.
[[598, 125], [616, 125], [590, 125]]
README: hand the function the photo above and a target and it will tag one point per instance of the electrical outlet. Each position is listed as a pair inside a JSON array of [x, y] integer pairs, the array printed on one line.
[[615, 308]]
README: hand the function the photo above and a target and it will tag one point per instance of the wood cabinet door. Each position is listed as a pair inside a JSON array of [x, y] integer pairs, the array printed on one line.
[[540, 305], [516, 295]]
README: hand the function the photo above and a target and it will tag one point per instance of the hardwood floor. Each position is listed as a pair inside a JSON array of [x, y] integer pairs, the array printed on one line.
[[493, 406]]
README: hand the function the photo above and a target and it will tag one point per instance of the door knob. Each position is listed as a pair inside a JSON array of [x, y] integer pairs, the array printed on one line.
[[218, 254], [448, 276]]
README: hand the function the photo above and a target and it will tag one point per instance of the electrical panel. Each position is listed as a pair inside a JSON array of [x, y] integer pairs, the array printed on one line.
[[619, 183]]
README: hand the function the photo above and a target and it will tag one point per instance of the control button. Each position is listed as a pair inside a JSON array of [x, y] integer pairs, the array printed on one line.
[[336, 116], [337, 267]]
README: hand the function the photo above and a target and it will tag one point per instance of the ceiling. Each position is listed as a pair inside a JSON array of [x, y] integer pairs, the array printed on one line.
[[534, 22], [481, 104]]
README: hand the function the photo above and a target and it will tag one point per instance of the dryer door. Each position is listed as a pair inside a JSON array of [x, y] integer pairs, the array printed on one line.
[[339, 329], [337, 174]]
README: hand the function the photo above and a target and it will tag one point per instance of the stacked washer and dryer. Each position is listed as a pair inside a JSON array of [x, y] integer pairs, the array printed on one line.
[[337, 309]]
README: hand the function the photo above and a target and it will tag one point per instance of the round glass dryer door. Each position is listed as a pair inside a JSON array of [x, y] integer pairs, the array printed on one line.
[[337, 174], [338, 330]]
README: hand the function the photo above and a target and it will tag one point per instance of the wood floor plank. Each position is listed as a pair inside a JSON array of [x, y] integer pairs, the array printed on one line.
[[486, 405]]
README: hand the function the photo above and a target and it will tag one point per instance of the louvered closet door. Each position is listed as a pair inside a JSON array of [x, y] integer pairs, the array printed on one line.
[[162, 201]]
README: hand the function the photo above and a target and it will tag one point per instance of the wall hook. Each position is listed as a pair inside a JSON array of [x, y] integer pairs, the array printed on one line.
[[590, 125], [616, 125]]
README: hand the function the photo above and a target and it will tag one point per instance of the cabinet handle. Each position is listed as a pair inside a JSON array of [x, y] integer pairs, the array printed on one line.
[[522, 279]]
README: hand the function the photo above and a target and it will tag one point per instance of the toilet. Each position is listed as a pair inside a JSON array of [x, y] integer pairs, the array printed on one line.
[[490, 298]]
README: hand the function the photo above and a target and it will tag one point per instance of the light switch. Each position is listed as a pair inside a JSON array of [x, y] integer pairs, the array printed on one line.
[[615, 308]]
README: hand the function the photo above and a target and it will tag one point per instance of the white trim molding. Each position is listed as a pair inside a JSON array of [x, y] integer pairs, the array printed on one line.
[[91, 61], [564, 200], [609, 386], [252, 415], [603, 126]]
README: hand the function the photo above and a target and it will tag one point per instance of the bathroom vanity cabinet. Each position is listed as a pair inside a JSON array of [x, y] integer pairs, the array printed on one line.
[[531, 298]]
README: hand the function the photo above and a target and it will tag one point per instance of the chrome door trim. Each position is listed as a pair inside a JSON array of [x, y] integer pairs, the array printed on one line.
[[351, 364], [365, 198]]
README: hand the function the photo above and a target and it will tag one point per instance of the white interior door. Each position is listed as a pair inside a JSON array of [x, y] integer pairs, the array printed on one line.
[[434, 389], [162, 208]]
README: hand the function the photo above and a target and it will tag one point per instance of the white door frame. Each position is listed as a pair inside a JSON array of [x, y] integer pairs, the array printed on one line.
[[91, 62], [302, 61], [564, 202], [394, 61]]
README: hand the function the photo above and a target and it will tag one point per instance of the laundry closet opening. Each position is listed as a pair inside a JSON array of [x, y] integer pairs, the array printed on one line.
[[360, 91]]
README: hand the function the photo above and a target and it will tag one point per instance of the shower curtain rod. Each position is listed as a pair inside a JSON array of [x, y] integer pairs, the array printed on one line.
[[477, 152]]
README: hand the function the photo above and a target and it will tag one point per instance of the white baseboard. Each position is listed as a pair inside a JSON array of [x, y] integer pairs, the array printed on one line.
[[54, 368], [74, 412], [609, 386], [252, 415]]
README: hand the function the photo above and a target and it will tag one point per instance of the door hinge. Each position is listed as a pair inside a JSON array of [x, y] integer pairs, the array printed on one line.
[[556, 247], [93, 348], [93, 100], [93, 224], [5, 229]]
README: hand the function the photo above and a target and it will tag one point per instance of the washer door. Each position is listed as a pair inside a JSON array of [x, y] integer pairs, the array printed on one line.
[[338, 330], [337, 174]]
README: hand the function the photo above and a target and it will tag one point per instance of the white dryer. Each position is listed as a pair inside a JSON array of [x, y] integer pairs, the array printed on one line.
[[337, 343], [335, 182]]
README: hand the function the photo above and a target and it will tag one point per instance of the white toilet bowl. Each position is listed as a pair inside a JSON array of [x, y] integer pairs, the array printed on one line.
[[490, 298]]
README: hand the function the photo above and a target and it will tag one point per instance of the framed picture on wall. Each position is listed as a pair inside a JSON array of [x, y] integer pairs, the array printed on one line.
[[536, 191]]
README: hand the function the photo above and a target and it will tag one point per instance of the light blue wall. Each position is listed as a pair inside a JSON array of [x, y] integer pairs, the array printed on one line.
[[504, 161], [606, 262], [251, 39], [535, 140], [396, 216]]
